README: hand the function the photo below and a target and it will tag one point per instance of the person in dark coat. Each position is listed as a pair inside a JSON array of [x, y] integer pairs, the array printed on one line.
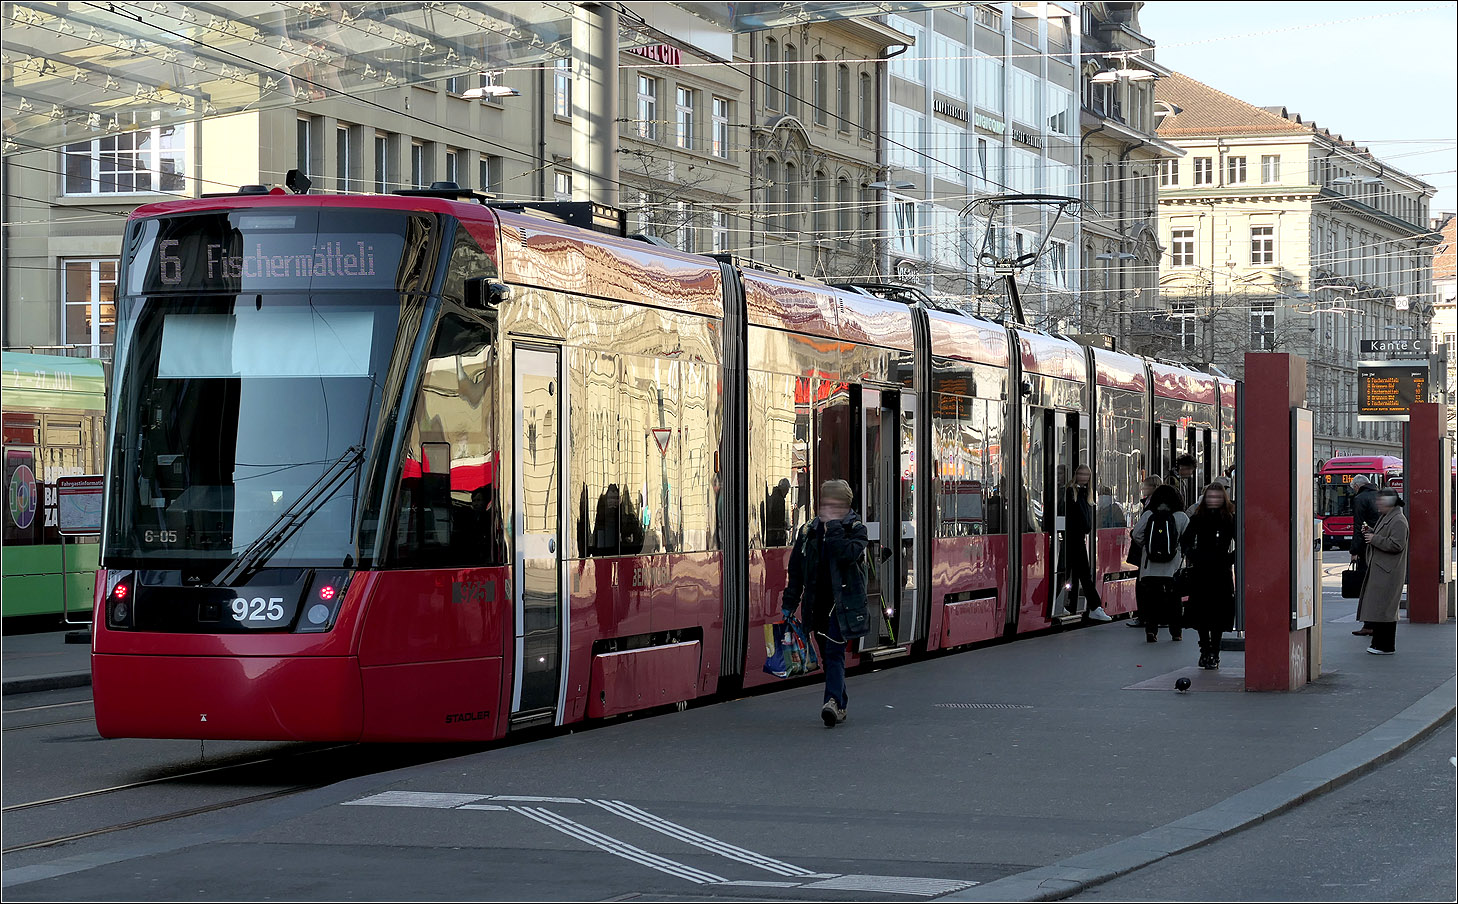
[[1386, 552], [1364, 514], [827, 576], [1209, 545], [1144, 604], [1077, 525]]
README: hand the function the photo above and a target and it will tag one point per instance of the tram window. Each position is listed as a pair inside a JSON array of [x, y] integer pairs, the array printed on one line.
[[595, 449], [779, 436], [833, 435], [699, 510], [1034, 475], [1123, 433], [967, 437], [449, 508], [652, 442]]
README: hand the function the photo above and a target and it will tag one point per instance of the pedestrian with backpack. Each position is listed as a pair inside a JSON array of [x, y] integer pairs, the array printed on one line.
[[1144, 610], [1158, 533], [1209, 544], [827, 574]]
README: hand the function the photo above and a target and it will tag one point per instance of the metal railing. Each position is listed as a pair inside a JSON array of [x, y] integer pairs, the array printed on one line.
[[87, 350]]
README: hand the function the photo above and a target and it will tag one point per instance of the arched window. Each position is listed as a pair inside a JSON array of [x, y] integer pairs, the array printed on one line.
[[843, 224], [771, 73], [772, 189], [842, 98], [792, 80], [821, 205], [820, 75], [868, 106], [790, 211]]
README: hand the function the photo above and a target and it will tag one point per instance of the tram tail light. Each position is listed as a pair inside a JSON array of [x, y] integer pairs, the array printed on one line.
[[121, 600], [322, 602]]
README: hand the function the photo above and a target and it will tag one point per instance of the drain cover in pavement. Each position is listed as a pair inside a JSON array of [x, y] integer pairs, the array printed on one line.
[[1201, 680], [982, 705]]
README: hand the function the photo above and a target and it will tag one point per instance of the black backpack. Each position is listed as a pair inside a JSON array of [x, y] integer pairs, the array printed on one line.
[[1162, 537]]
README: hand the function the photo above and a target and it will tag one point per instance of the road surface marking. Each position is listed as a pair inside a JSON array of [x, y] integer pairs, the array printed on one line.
[[527, 799], [896, 885], [617, 848], [430, 799], [699, 840]]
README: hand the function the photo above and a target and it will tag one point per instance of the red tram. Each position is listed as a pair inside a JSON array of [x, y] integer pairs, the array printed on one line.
[[419, 467]]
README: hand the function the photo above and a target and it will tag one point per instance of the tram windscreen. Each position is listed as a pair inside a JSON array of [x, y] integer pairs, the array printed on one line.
[[232, 405]]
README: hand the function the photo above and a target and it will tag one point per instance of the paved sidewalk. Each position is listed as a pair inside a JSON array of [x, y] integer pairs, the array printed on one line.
[[1026, 770], [44, 662]]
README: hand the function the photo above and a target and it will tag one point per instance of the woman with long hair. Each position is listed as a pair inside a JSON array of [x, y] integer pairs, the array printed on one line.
[[1209, 544]]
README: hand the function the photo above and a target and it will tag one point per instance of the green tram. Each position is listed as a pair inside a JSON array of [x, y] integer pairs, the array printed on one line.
[[54, 426]]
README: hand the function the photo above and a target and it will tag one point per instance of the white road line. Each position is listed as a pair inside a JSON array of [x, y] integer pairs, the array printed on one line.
[[527, 799], [617, 848], [482, 807], [699, 840], [761, 883]]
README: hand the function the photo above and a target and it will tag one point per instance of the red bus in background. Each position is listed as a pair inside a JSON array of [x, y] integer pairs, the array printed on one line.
[[1334, 491]]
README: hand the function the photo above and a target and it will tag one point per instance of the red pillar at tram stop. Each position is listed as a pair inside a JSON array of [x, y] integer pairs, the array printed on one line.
[[1276, 657], [1425, 471]]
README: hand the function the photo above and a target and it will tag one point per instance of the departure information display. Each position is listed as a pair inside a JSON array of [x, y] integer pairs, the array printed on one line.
[[1387, 392]]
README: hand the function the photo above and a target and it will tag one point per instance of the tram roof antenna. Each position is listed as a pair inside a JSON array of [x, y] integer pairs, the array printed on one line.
[[1009, 267]]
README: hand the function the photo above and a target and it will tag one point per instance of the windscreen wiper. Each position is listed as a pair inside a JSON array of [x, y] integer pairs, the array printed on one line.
[[287, 524]]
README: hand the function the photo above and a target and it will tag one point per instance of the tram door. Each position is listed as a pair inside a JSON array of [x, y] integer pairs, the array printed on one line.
[[536, 512], [889, 550], [1063, 441]]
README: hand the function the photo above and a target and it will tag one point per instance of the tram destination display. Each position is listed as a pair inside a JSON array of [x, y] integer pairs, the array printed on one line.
[[1386, 392]]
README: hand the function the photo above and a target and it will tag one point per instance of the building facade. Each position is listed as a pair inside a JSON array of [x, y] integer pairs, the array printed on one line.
[[983, 103], [1122, 157], [1282, 236]]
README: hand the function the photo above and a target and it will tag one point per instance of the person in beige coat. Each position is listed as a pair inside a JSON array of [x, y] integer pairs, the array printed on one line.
[[1386, 551]]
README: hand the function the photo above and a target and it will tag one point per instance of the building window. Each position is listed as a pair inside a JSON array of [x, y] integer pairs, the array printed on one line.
[[868, 107], [719, 231], [1024, 96], [988, 81], [683, 233], [144, 160], [949, 67], [1182, 247], [1270, 168], [1262, 244], [1169, 172], [904, 138], [910, 65], [904, 237], [843, 224], [647, 108], [89, 290], [1204, 171], [771, 73], [721, 128], [771, 191], [1235, 170], [491, 173], [343, 159], [453, 166], [1111, 181], [1263, 325], [842, 98], [562, 88], [382, 161], [1186, 324], [417, 165], [819, 75], [685, 117], [304, 136], [792, 80], [790, 212], [453, 85], [1062, 111], [562, 186]]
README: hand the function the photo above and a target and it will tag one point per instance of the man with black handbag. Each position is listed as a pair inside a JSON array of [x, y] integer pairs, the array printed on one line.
[[1364, 514]]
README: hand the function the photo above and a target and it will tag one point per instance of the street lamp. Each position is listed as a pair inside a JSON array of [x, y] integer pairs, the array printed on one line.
[[892, 184], [490, 89]]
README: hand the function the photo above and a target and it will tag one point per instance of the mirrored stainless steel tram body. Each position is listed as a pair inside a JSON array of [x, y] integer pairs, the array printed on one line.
[[577, 497]]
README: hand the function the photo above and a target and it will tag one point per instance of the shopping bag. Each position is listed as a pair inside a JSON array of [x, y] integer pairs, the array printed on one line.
[[788, 650]]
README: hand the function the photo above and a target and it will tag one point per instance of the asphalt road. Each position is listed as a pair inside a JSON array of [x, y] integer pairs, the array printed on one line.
[[1387, 836]]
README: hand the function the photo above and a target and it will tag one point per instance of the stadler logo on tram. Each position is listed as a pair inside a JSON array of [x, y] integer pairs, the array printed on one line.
[[427, 467]]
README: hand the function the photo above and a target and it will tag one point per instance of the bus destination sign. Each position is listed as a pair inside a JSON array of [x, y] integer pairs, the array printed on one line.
[[1387, 393]]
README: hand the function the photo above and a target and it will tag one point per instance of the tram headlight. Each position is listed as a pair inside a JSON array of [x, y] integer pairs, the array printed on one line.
[[321, 602], [121, 600]]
